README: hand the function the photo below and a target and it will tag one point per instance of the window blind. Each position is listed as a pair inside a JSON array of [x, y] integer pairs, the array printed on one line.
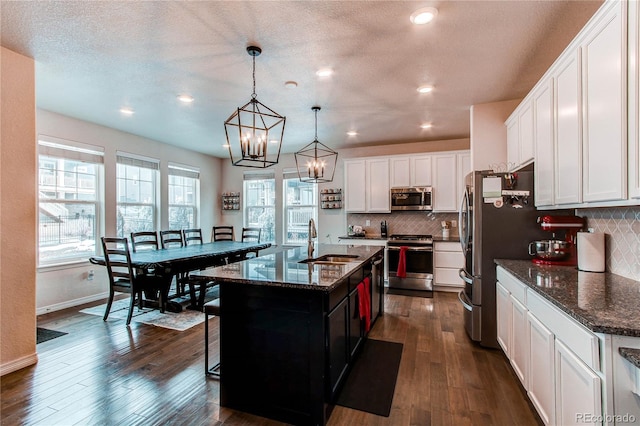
[[69, 152], [184, 171], [137, 161]]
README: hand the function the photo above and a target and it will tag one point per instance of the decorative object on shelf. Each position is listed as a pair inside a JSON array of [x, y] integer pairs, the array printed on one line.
[[316, 160], [230, 201], [254, 131], [331, 198]]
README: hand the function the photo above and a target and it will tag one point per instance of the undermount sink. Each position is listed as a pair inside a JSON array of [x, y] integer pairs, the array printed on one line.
[[332, 258]]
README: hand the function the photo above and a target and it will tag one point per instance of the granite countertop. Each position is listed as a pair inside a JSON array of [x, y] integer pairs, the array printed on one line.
[[436, 238], [631, 354], [602, 302], [282, 268]]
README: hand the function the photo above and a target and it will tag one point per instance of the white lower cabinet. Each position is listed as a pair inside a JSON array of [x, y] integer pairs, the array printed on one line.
[[578, 389], [541, 389], [448, 259], [541, 343]]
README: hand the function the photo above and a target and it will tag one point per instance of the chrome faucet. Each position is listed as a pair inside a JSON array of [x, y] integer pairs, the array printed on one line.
[[312, 234]]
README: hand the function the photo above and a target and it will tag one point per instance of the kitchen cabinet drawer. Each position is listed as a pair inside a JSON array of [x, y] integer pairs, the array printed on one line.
[[582, 342], [448, 246], [511, 283], [447, 276], [448, 259]]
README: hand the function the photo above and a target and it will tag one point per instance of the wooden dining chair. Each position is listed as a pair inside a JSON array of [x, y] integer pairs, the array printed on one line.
[[192, 236], [222, 233], [144, 240], [171, 238], [251, 235], [122, 277]]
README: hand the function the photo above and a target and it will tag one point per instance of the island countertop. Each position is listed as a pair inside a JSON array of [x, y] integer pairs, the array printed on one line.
[[602, 302], [283, 268]]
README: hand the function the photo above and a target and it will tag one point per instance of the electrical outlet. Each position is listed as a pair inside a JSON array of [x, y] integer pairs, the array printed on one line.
[[454, 223], [367, 222]]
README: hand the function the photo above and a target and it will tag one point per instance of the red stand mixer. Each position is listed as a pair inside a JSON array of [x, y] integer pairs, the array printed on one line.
[[557, 251]]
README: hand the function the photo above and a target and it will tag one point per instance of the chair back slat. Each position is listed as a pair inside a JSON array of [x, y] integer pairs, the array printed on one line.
[[251, 234], [222, 233], [118, 260], [144, 240], [171, 238], [192, 236]]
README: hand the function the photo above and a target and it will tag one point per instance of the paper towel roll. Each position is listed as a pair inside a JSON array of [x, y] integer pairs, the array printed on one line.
[[591, 251]]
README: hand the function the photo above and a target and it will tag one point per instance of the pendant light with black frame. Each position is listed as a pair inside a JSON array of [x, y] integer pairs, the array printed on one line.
[[316, 162], [254, 131]]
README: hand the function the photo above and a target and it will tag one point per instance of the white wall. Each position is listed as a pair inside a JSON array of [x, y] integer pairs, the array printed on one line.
[[489, 134], [61, 287]]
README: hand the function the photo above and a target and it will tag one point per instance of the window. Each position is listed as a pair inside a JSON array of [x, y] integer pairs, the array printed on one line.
[[69, 199], [136, 179], [184, 196], [260, 204], [300, 205]]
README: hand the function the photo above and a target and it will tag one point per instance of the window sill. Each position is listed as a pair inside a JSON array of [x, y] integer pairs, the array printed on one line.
[[64, 265]]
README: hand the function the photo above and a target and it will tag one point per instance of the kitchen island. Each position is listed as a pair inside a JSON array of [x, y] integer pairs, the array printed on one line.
[[290, 328]]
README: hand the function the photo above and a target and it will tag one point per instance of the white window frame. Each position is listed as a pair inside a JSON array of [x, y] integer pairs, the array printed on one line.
[[289, 211], [60, 150], [268, 235], [152, 164], [193, 175]]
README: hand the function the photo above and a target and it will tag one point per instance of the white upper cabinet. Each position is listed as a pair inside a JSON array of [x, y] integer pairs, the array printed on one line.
[[513, 141], [633, 91], [366, 184], [464, 168], [542, 100], [355, 185], [568, 153], [400, 172], [604, 85], [520, 137], [414, 170], [378, 196], [421, 173], [445, 193]]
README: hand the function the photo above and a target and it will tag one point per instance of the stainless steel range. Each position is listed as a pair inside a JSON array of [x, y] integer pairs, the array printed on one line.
[[418, 253]]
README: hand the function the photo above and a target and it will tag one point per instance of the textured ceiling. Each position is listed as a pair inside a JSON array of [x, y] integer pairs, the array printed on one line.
[[94, 57]]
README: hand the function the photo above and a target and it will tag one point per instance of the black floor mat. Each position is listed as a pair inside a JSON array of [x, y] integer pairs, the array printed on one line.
[[372, 381], [44, 334]]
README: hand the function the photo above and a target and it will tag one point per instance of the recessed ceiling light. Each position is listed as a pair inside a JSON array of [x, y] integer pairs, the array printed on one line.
[[273, 141], [225, 145], [187, 99], [352, 133], [324, 72], [424, 15], [126, 111], [425, 126], [425, 89], [290, 84]]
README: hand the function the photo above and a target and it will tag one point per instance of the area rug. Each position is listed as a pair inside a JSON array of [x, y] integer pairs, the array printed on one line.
[[180, 321], [372, 381], [44, 334]]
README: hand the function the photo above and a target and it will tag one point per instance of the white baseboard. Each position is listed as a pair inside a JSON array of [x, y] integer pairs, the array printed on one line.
[[18, 364], [71, 303]]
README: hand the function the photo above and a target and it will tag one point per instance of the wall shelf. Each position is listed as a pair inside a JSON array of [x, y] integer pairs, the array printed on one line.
[[331, 198], [230, 201]]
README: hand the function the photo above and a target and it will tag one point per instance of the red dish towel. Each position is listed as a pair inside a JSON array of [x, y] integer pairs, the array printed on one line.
[[402, 262], [364, 302]]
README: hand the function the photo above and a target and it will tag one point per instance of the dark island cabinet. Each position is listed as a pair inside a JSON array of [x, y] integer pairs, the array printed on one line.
[[286, 351]]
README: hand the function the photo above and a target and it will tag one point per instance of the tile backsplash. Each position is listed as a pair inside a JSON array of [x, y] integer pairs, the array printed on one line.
[[403, 222], [622, 240]]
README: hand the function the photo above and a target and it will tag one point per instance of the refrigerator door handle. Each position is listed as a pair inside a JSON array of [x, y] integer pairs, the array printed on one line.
[[462, 297], [465, 277], [464, 207]]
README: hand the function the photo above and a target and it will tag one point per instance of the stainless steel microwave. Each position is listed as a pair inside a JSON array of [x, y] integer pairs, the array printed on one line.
[[412, 198]]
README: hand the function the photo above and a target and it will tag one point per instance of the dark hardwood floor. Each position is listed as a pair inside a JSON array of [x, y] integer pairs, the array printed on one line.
[[104, 373]]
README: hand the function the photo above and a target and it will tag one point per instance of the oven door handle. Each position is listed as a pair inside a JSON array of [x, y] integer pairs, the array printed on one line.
[[397, 248], [462, 297], [466, 278]]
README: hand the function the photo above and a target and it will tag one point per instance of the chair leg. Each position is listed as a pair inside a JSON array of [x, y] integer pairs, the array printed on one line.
[[131, 304], [106, 312]]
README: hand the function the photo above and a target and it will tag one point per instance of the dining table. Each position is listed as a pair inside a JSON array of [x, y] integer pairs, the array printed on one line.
[[168, 262]]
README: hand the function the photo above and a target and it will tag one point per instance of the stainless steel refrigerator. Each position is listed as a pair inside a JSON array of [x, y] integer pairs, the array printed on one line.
[[493, 226]]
